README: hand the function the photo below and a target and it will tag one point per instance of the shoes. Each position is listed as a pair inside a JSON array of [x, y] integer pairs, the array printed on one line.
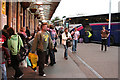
[[66, 58], [51, 64], [54, 62], [44, 75], [13, 77], [45, 65], [18, 77], [21, 76], [35, 70]]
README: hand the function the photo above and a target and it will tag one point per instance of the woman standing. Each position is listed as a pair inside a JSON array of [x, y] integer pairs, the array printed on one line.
[[66, 36], [13, 47], [104, 35]]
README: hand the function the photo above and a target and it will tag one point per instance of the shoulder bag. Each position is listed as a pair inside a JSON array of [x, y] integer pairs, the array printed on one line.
[[21, 55]]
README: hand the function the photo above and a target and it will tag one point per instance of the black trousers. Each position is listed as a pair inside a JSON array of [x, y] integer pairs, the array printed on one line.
[[60, 39], [104, 42], [41, 60], [15, 65]]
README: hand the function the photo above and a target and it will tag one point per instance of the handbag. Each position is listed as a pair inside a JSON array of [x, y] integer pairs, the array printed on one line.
[[21, 55], [69, 43]]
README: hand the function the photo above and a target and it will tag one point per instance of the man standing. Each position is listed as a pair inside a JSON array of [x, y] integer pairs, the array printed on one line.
[[41, 42], [104, 35], [76, 36], [60, 34]]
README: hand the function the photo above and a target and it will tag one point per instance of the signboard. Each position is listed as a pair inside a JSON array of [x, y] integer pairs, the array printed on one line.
[[3, 7]]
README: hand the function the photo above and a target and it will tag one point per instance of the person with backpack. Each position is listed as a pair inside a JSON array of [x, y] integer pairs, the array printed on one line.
[[66, 36], [104, 35], [76, 36], [14, 50], [41, 43]]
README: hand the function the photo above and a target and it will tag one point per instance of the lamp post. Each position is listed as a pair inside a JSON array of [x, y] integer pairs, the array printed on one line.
[[109, 27]]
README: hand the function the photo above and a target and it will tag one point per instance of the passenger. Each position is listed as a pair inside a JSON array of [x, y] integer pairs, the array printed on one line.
[[66, 36], [41, 42], [88, 36], [13, 47], [23, 35], [5, 35], [51, 52], [104, 35], [28, 31], [5, 55], [60, 34], [76, 36], [23, 31]]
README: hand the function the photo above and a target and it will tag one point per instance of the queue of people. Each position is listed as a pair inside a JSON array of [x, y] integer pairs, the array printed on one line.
[[43, 42], [11, 47]]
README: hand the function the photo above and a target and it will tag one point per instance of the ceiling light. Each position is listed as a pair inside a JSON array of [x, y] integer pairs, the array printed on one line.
[[40, 8]]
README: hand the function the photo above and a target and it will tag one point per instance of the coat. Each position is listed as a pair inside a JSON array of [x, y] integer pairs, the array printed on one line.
[[37, 43], [64, 38]]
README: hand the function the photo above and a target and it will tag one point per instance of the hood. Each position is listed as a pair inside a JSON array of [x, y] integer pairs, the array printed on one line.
[[14, 37]]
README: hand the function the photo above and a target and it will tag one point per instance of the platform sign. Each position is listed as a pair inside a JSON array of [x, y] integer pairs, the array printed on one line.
[[3, 7]]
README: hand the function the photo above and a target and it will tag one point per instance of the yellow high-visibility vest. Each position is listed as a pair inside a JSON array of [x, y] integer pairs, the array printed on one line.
[[89, 34]]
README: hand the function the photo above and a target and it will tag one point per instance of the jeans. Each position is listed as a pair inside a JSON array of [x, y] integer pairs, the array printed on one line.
[[52, 57], [41, 61], [4, 74], [104, 42], [74, 45], [66, 51]]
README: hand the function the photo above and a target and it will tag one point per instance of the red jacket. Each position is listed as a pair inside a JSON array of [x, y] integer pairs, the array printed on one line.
[[5, 54]]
